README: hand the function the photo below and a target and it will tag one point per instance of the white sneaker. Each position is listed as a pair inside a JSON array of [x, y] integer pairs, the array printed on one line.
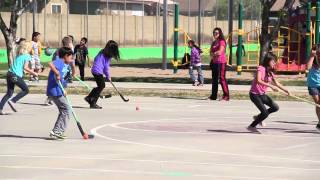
[[3, 113]]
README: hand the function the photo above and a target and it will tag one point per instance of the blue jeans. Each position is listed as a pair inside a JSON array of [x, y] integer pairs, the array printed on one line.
[[12, 81], [200, 74]]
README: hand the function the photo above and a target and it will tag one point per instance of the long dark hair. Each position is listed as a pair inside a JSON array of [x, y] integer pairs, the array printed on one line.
[[111, 50], [193, 44], [266, 61], [221, 35]]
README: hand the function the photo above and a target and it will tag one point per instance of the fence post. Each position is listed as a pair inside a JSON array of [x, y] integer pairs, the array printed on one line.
[[239, 50], [308, 34], [176, 37]]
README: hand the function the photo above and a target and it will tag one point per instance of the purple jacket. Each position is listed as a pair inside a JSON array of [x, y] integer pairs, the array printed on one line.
[[195, 57], [101, 65]]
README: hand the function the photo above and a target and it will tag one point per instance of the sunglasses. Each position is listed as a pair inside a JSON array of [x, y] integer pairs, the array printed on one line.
[[216, 33]]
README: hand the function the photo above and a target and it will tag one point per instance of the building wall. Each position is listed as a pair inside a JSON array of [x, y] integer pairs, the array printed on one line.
[[63, 3], [127, 30]]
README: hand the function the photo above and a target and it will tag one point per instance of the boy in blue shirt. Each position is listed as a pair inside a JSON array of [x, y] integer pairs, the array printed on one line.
[[59, 69]]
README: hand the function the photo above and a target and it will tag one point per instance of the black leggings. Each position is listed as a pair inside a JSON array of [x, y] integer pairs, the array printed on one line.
[[95, 93], [260, 101]]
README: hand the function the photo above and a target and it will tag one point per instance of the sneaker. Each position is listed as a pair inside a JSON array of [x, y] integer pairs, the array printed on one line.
[[58, 136], [48, 102], [318, 127], [225, 99], [32, 79], [194, 83], [200, 84], [95, 106], [11, 104], [211, 98], [252, 129], [88, 100], [3, 113]]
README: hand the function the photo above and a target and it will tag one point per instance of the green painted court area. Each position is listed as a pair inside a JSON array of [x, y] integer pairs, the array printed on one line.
[[136, 53]]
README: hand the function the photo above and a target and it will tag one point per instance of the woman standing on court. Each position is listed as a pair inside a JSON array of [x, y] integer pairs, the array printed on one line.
[[218, 65]]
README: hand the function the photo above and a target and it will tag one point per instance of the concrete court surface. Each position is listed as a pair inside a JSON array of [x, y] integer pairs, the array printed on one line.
[[166, 139]]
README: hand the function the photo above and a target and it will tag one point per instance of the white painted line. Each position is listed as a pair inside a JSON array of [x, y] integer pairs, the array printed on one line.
[[95, 132], [118, 126], [157, 161], [134, 172]]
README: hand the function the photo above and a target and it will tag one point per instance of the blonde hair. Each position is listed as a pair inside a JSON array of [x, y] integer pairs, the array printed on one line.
[[24, 48]]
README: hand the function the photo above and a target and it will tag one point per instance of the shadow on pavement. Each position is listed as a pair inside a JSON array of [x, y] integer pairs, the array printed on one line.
[[33, 104], [290, 122], [230, 132], [23, 137], [192, 98], [304, 132]]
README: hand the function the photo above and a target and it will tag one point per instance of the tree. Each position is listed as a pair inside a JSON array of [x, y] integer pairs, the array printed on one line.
[[267, 37], [9, 31]]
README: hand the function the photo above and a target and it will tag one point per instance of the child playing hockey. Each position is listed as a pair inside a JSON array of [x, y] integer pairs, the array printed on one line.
[[59, 68], [100, 67], [314, 80], [15, 76], [264, 78]]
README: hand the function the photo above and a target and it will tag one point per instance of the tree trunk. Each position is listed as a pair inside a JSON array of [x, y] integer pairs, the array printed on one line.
[[265, 38], [11, 46], [9, 33]]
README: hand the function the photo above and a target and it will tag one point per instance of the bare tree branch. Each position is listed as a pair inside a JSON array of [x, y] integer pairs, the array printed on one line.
[[3, 27], [20, 11]]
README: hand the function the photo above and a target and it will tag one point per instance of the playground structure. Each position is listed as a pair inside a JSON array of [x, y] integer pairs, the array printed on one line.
[[292, 45]]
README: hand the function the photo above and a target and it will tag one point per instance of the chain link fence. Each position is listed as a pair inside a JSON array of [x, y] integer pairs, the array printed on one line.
[[132, 23]]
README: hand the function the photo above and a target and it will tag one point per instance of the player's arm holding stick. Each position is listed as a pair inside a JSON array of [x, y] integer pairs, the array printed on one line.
[[277, 84]]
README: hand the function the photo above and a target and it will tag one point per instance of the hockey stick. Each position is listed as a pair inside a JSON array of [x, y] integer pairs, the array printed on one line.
[[122, 97], [84, 135], [90, 88], [301, 99]]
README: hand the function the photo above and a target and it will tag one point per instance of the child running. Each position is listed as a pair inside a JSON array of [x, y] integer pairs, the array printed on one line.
[[100, 67], [15, 76], [195, 63], [59, 68], [264, 78], [66, 42], [314, 80]]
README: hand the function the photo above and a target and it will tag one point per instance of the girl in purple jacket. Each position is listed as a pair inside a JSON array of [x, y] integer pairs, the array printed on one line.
[[195, 63], [100, 67]]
